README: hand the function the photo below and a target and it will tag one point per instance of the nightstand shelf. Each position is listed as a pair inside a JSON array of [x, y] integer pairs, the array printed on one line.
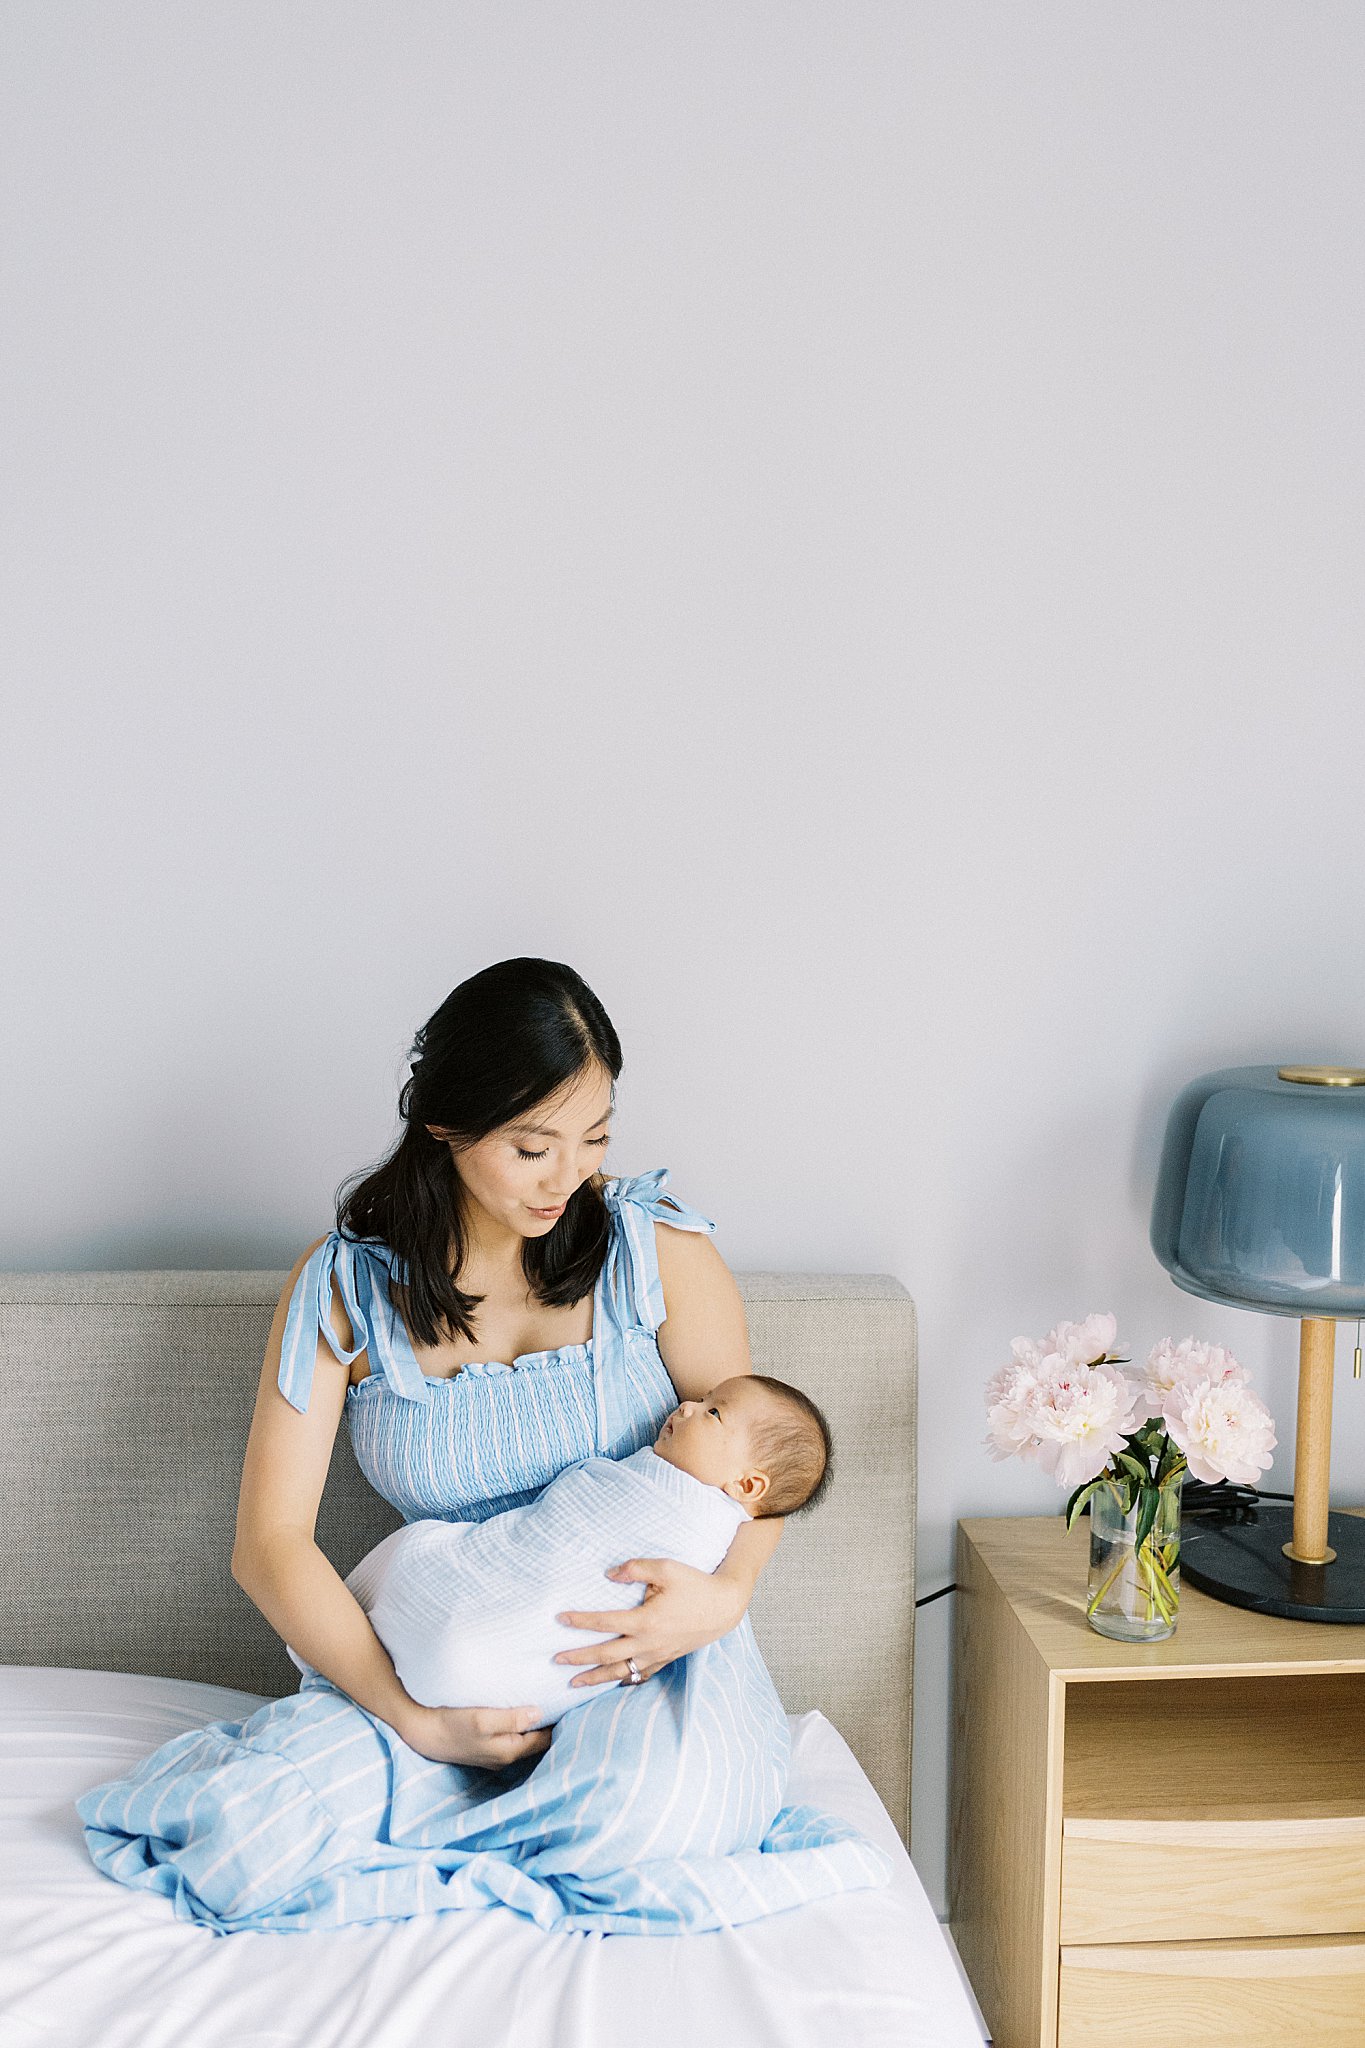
[[1152, 1843]]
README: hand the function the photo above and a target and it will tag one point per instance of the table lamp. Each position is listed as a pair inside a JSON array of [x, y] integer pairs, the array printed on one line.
[[1260, 1203]]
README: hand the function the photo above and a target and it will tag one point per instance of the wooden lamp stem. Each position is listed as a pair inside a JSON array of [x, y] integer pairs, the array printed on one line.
[[1313, 1446]]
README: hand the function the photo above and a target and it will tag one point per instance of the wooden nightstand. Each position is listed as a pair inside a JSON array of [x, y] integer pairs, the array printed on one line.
[[1154, 1846]]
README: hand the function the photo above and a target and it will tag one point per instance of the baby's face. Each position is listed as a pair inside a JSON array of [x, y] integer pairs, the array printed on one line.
[[712, 1439]]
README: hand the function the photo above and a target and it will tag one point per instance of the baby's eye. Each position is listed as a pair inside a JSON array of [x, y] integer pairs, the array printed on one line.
[[715, 1412]]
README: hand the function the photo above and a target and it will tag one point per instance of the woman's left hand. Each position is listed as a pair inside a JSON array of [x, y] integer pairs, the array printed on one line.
[[682, 1609]]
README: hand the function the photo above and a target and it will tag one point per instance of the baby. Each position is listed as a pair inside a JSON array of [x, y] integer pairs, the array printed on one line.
[[466, 1610]]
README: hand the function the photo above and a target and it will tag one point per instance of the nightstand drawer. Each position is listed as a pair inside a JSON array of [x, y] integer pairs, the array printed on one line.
[[1307, 1994], [1214, 1880]]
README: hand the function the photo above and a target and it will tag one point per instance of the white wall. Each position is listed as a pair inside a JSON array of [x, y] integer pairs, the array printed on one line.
[[842, 521]]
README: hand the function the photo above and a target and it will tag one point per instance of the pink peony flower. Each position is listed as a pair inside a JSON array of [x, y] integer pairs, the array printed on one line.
[[1069, 1418], [1025, 1359], [1010, 1404], [1224, 1429], [1024, 1351], [1083, 1343], [1062, 1402], [1083, 1413], [1171, 1366]]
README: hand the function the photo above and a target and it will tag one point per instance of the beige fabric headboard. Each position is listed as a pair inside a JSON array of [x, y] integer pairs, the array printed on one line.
[[129, 1397]]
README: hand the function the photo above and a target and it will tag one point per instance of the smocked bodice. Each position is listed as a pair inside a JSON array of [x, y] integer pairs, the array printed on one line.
[[490, 1437]]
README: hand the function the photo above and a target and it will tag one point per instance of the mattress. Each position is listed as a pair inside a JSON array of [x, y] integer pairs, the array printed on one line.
[[85, 1963]]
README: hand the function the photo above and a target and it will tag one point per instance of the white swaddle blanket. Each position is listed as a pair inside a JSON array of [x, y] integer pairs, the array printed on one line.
[[466, 1610]]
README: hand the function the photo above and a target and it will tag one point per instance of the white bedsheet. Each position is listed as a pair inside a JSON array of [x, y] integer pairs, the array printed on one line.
[[85, 1963]]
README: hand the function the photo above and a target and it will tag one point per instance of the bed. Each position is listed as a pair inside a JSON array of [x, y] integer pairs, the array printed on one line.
[[120, 1625]]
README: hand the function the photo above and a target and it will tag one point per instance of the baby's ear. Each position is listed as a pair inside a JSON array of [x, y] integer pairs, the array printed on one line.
[[750, 1489]]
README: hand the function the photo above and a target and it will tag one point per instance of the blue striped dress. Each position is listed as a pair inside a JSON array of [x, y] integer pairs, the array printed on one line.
[[657, 1808]]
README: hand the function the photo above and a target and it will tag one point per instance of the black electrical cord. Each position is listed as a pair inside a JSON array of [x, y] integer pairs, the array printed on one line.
[[1223, 1502], [941, 1594], [1220, 1502]]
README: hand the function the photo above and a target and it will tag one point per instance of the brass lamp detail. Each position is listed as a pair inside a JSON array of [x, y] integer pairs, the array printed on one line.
[[1313, 1442], [1324, 1077]]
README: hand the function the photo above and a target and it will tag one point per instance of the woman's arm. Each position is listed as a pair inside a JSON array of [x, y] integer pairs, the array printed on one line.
[[277, 1563], [682, 1609], [704, 1337], [754, 1544], [703, 1341]]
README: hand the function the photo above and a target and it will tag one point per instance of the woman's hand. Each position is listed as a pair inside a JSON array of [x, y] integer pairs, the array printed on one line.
[[491, 1737], [682, 1609]]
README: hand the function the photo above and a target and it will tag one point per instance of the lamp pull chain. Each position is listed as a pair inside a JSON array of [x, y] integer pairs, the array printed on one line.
[[1355, 1368]]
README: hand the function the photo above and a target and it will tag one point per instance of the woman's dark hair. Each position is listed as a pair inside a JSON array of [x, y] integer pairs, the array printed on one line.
[[501, 1043]]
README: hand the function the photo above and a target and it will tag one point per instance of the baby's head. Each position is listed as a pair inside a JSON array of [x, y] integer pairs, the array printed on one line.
[[764, 1443]]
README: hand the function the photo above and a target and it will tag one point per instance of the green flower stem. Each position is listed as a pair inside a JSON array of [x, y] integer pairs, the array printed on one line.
[[1141, 1482], [1094, 1603], [1156, 1585]]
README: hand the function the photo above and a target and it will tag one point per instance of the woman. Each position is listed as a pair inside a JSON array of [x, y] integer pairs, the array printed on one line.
[[490, 1309]]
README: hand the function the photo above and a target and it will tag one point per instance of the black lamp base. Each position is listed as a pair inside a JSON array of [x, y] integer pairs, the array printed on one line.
[[1243, 1562]]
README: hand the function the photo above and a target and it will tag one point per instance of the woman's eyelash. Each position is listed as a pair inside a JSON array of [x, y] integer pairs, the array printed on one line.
[[541, 1154]]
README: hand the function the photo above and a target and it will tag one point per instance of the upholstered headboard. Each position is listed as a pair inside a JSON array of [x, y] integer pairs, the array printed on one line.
[[129, 1397]]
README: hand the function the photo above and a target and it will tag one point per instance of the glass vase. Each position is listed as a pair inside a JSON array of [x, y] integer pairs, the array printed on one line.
[[1133, 1594]]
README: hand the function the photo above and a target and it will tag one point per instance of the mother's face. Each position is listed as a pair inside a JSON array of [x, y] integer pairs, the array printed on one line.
[[533, 1166]]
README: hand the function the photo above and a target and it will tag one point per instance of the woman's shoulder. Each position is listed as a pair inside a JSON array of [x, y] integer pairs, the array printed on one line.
[[650, 1192], [294, 1278], [697, 1310], [336, 1251], [682, 1259], [307, 1289], [323, 1280]]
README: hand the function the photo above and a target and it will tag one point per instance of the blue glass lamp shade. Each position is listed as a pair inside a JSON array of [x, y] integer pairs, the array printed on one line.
[[1260, 1198]]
